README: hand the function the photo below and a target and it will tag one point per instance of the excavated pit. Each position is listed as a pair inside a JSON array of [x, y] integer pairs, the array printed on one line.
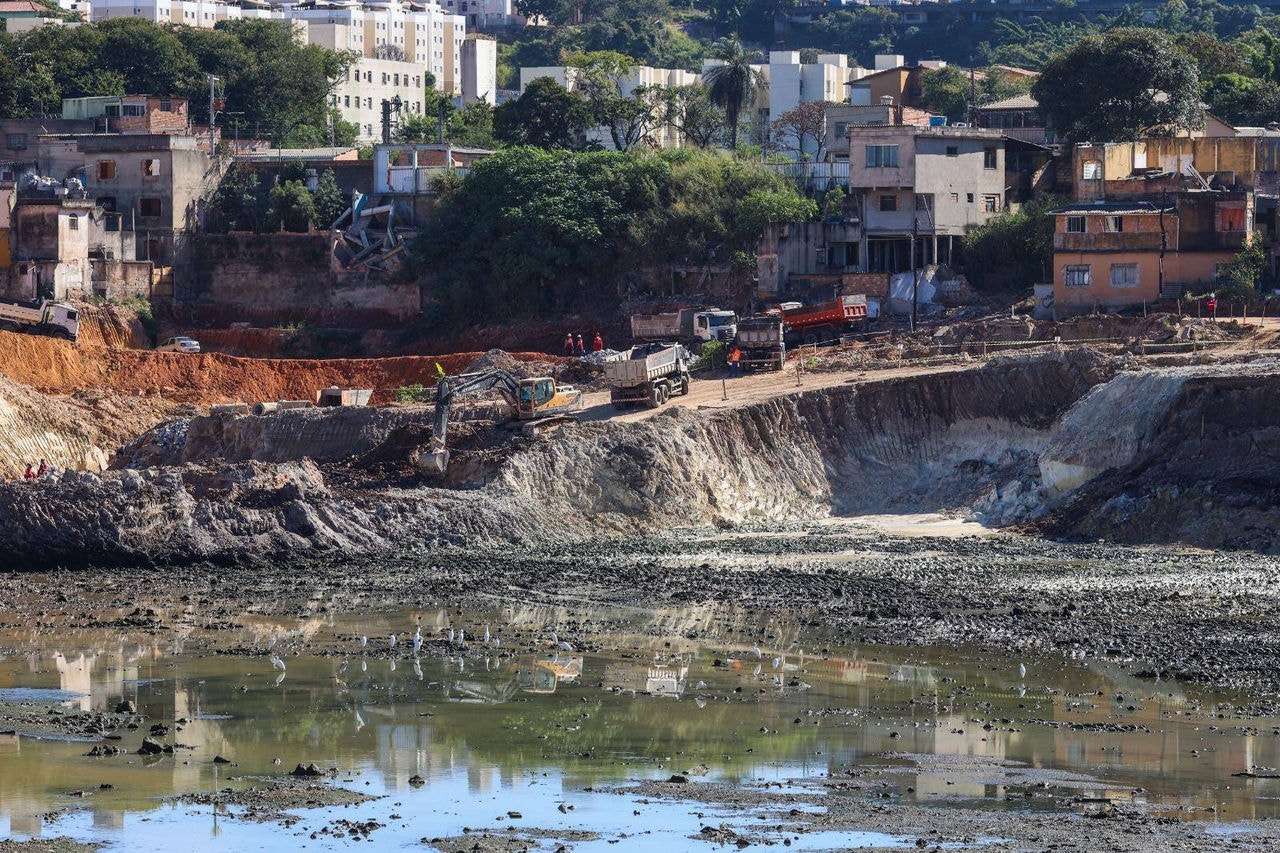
[[1105, 453]]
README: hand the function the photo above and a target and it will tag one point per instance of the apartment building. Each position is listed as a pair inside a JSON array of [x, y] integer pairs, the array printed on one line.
[[918, 184], [359, 95], [486, 14], [479, 69], [204, 14]]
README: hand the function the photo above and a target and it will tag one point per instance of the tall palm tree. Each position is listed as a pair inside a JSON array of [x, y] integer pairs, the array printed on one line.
[[731, 83]]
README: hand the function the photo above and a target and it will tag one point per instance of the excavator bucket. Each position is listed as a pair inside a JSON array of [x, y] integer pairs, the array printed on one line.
[[435, 460]]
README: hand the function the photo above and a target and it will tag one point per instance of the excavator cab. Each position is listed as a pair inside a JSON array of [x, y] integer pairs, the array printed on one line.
[[540, 397]]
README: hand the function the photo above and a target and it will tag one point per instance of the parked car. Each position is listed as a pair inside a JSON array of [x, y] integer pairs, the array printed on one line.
[[179, 344]]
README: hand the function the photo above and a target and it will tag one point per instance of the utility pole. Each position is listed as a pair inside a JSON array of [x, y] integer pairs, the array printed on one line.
[[213, 112], [915, 271], [1164, 244]]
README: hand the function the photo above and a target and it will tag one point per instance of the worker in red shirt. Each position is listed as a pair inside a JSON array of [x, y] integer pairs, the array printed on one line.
[[598, 343], [31, 474], [1212, 305], [568, 344]]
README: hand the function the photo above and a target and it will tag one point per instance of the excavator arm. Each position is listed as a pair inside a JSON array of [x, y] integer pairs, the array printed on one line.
[[437, 458]]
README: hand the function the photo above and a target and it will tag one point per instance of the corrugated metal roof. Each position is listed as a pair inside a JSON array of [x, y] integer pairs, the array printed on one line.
[[1017, 102], [1111, 208]]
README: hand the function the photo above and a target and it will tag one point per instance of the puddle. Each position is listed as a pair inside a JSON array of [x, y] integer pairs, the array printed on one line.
[[549, 732]]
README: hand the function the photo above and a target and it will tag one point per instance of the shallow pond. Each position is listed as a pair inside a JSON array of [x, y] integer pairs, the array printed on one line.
[[544, 724]]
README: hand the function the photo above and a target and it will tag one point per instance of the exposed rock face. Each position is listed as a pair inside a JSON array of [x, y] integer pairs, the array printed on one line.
[[995, 441]]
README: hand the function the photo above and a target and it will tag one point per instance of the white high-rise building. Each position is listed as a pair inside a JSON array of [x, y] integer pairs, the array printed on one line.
[[479, 69]]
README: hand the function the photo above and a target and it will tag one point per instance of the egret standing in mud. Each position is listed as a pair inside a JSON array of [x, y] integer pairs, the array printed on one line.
[[364, 641], [486, 633], [1022, 670], [417, 641], [392, 641]]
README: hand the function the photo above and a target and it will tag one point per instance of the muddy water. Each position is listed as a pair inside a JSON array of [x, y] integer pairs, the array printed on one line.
[[524, 725]]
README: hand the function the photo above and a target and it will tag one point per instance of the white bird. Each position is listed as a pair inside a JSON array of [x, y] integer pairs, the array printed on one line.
[[277, 663], [777, 662], [280, 678], [417, 669], [564, 647], [364, 667], [701, 685], [342, 667], [486, 633], [450, 634], [554, 638], [417, 641], [1022, 670], [271, 644], [756, 651], [393, 641], [393, 664], [364, 641]]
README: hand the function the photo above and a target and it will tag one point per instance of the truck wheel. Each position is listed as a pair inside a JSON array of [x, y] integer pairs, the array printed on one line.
[[655, 396], [6, 326], [684, 386]]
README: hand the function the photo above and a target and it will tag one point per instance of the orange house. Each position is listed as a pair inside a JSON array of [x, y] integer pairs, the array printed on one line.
[[1108, 255]]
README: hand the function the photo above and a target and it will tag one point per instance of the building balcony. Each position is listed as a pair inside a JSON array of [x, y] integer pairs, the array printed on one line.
[[813, 176], [1142, 241]]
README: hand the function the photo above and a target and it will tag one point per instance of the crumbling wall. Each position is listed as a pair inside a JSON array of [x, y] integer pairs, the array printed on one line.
[[263, 278]]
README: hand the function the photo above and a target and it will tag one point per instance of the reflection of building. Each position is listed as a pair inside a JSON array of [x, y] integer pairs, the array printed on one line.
[[655, 679]]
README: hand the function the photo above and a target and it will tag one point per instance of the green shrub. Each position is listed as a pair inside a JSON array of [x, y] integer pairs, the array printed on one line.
[[415, 393], [712, 356]]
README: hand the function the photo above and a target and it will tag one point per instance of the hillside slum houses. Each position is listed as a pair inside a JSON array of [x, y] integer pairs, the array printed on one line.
[[900, 189]]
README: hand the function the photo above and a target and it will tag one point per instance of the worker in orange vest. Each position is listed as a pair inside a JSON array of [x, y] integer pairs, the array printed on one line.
[[735, 359]]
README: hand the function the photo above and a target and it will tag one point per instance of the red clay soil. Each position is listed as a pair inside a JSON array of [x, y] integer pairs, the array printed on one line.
[[56, 366]]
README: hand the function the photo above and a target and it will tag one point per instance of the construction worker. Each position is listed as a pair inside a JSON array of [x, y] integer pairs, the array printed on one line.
[[578, 348], [44, 469], [735, 360], [598, 343], [1212, 305], [568, 344], [31, 474]]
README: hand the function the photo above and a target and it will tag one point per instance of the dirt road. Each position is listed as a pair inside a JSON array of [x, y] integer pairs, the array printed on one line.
[[718, 392]]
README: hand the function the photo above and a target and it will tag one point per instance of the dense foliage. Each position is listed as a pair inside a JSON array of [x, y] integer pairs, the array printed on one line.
[[279, 86], [1120, 85], [532, 232], [244, 202], [1013, 249]]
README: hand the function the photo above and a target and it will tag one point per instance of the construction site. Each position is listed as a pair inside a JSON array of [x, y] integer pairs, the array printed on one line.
[[899, 515]]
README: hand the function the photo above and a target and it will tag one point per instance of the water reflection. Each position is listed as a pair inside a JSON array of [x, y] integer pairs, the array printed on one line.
[[765, 705]]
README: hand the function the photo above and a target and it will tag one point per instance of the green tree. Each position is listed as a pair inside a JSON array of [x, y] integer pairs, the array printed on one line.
[[602, 78], [148, 59], [732, 82], [690, 111], [945, 91], [546, 115], [532, 232], [1245, 273], [1014, 250], [238, 204], [328, 199], [291, 207], [1118, 86], [473, 125], [1243, 100]]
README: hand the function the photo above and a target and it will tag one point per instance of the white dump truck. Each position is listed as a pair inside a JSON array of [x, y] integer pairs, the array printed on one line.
[[56, 319], [649, 374], [688, 324]]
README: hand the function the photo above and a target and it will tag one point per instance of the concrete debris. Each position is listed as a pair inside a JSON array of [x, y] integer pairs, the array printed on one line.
[[371, 239], [603, 356]]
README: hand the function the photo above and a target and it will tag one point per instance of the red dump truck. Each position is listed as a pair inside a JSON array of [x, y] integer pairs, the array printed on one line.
[[814, 324]]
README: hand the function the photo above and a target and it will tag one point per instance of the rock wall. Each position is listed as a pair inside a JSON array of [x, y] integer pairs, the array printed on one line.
[[934, 442]]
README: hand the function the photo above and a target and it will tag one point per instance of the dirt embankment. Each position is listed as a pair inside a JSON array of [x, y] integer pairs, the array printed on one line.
[[59, 367]]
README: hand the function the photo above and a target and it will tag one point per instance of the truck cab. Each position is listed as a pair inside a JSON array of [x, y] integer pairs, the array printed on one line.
[[540, 396], [715, 325]]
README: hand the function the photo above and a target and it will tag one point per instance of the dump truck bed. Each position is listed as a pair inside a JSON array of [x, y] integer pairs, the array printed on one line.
[[645, 367]]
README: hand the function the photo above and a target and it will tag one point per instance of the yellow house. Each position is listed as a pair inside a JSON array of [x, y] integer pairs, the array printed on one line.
[[1117, 254]]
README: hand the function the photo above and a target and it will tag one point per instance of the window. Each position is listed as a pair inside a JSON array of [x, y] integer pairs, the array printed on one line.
[[968, 197], [73, 223], [991, 203], [888, 203], [111, 111], [111, 224], [106, 170], [134, 110], [1077, 276], [953, 150], [955, 198], [166, 106], [1075, 224], [1232, 218], [924, 201], [149, 207], [15, 141], [150, 168], [990, 157], [841, 129], [1124, 275], [1092, 170], [882, 156], [1113, 224]]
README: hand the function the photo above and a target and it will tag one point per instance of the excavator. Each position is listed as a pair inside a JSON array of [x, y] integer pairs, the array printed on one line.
[[540, 401]]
